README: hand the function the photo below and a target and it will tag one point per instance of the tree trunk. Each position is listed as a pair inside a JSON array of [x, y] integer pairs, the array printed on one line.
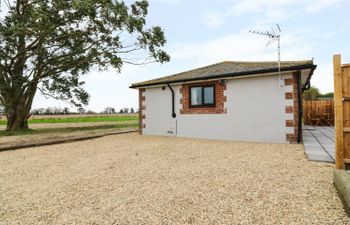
[[18, 110], [17, 120]]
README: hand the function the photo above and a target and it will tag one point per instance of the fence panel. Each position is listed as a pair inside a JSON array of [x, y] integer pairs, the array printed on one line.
[[342, 113], [318, 112]]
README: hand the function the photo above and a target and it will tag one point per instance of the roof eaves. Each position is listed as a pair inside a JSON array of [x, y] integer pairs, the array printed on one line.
[[307, 83], [227, 75]]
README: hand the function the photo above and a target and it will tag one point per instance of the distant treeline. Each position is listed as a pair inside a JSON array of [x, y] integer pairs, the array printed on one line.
[[314, 93], [64, 111]]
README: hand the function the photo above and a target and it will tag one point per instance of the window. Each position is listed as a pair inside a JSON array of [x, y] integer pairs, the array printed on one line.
[[196, 96], [202, 96]]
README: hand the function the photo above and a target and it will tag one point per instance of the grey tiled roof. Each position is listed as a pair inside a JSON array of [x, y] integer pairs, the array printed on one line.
[[228, 69]]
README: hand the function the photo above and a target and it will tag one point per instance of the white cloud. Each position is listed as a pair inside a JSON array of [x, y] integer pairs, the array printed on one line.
[[213, 19], [317, 5], [256, 6], [279, 10], [167, 1], [240, 46]]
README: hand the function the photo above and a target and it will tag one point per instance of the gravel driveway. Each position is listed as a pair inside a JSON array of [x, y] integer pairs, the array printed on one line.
[[133, 179]]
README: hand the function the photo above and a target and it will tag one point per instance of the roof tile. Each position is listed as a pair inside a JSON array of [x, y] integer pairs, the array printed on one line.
[[227, 69]]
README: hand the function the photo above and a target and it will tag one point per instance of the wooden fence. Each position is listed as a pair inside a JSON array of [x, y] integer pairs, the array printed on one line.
[[342, 113], [318, 112]]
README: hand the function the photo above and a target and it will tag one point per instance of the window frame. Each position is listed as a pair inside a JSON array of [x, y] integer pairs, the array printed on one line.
[[203, 105]]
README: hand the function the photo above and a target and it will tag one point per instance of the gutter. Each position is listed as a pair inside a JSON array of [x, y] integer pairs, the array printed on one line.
[[228, 75], [173, 114], [300, 109], [307, 83]]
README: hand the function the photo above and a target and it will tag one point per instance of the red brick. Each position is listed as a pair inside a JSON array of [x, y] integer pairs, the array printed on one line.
[[289, 123], [142, 107], [289, 95], [219, 99], [289, 109], [288, 81], [293, 95], [291, 138]]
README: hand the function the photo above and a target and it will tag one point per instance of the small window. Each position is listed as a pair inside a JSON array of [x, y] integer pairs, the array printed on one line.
[[202, 96], [196, 96], [208, 95]]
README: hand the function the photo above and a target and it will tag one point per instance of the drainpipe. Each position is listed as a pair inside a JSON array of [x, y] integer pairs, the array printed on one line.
[[300, 109], [173, 114]]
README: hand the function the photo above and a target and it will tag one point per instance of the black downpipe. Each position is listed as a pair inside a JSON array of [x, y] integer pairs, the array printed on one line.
[[300, 109], [172, 101]]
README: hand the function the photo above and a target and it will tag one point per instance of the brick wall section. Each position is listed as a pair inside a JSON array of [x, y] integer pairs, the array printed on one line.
[[288, 81], [289, 109], [289, 95], [292, 138], [220, 99], [142, 108]]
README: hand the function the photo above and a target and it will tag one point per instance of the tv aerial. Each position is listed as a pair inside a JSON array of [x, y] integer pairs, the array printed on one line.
[[274, 35]]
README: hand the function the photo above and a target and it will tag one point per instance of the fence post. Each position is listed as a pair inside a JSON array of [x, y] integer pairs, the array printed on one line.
[[338, 112]]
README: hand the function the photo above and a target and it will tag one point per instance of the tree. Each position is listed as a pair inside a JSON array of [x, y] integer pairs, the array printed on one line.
[[312, 93], [121, 111], [109, 110], [49, 111], [126, 110], [327, 95], [81, 110], [40, 111], [47, 45], [90, 112], [66, 110], [132, 110]]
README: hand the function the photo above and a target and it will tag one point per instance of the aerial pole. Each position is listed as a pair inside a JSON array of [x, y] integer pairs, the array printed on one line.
[[273, 36]]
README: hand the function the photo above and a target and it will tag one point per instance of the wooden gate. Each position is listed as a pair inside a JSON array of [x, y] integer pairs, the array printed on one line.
[[342, 112]]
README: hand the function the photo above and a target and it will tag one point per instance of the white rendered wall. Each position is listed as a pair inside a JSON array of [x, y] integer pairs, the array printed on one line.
[[255, 112]]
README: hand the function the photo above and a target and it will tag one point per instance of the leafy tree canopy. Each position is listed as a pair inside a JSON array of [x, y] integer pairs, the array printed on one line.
[[47, 45], [314, 93]]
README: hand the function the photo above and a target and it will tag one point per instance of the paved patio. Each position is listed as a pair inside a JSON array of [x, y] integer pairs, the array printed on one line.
[[319, 143]]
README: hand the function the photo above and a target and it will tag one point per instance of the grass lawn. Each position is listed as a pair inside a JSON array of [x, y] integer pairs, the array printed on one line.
[[80, 119], [44, 129], [68, 129]]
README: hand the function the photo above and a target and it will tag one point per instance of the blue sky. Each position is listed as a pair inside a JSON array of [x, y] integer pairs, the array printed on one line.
[[201, 32]]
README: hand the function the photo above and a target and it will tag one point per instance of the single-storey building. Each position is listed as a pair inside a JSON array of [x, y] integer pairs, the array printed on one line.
[[247, 101]]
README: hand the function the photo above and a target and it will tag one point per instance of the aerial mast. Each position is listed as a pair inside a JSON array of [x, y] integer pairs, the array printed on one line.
[[273, 35]]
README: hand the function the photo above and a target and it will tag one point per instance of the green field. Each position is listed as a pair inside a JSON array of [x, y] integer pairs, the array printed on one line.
[[91, 119], [69, 129]]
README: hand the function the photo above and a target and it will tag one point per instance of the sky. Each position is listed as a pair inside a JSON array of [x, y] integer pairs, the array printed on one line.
[[202, 32]]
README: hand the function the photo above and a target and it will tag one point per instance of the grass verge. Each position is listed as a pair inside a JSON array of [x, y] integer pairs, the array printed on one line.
[[68, 129], [80, 119]]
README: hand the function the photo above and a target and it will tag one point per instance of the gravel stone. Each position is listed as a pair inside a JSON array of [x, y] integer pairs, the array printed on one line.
[[134, 179]]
